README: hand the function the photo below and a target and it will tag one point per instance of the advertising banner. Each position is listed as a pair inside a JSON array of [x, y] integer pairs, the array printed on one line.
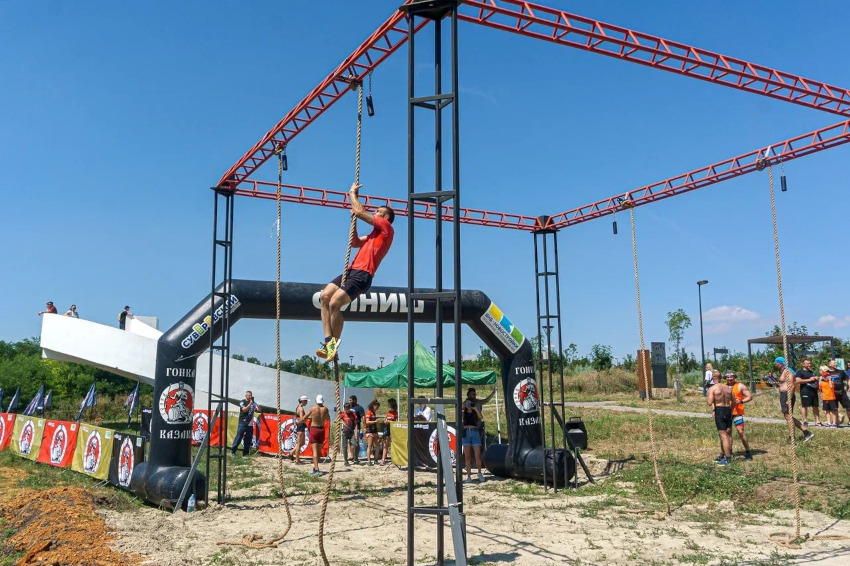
[[93, 452], [127, 451], [271, 436], [7, 423], [425, 446], [201, 423], [58, 443], [26, 436], [146, 423]]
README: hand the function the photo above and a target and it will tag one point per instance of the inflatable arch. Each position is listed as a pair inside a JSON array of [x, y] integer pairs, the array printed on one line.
[[160, 479]]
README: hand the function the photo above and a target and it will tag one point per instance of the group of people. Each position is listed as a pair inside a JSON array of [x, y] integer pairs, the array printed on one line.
[[50, 308], [830, 384]]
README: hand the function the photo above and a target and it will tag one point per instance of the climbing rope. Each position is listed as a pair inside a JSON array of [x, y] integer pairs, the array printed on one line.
[[645, 376], [789, 419], [255, 540], [337, 430]]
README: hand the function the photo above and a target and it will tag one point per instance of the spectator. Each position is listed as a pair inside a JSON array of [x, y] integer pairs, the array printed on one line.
[[830, 404], [839, 378], [358, 425], [481, 428], [318, 416], [707, 378], [245, 432], [391, 416], [471, 437], [72, 312], [370, 428], [49, 309], [787, 379], [423, 412], [300, 428], [350, 443], [740, 395], [123, 316], [808, 382], [720, 398]]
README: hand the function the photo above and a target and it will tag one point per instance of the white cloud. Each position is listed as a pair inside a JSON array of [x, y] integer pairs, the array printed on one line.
[[834, 321], [730, 314]]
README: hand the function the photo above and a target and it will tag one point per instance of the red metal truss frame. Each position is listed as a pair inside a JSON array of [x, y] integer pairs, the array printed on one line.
[[755, 160], [339, 199], [563, 28]]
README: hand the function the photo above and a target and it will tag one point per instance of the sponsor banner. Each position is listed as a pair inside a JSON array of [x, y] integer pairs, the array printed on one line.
[[272, 436], [127, 451], [7, 423], [58, 443], [201, 423], [147, 417], [26, 436], [202, 327], [93, 452], [502, 328], [425, 445]]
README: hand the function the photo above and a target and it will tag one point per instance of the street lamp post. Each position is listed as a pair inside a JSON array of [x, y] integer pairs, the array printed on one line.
[[381, 358], [701, 340], [351, 360]]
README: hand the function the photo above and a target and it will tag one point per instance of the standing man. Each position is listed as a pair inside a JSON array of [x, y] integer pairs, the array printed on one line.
[[788, 380], [707, 378], [740, 395], [358, 276], [809, 392], [720, 397], [123, 316], [839, 380], [358, 426], [245, 432], [49, 308], [318, 415], [300, 428]]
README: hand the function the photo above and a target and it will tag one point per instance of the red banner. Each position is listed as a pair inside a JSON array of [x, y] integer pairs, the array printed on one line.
[[58, 443], [270, 437], [7, 423], [201, 422]]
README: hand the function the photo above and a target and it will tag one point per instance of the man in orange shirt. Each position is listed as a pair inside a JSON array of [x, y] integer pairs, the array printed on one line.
[[829, 397], [740, 395], [358, 276]]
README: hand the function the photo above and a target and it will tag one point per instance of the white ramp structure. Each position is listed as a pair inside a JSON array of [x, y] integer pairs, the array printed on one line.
[[131, 353]]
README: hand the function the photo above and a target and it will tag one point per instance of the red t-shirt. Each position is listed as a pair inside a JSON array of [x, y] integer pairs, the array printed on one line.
[[349, 418], [375, 247]]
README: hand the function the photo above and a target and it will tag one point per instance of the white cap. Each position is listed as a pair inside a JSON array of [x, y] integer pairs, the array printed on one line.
[[320, 400], [303, 398]]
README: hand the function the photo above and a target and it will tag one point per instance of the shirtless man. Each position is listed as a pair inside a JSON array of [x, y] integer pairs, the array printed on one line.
[[300, 429], [318, 415], [720, 397], [787, 378]]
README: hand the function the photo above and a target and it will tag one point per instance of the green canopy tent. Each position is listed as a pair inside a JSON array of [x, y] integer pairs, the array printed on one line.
[[395, 374]]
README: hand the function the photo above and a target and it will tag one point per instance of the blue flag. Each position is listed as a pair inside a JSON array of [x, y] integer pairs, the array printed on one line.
[[13, 404], [90, 400], [36, 401], [48, 401], [132, 401]]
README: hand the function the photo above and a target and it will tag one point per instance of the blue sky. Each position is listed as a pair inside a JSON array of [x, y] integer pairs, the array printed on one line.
[[118, 116]]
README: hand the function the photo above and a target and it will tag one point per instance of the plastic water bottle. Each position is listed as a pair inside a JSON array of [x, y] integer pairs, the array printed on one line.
[[190, 506]]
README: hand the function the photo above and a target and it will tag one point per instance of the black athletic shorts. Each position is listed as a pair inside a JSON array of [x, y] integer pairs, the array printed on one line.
[[723, 418], [300, 427], [843, 399], [830, 405], [356, 282], [808, 396], [783, 401]]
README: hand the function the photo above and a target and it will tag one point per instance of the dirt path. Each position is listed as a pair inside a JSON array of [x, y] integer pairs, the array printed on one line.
[[508, 522]]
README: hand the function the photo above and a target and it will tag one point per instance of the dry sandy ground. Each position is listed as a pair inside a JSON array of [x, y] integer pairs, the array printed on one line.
[[507, 523]]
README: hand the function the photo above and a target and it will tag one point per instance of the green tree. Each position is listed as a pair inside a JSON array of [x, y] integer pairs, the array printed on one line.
[[677, 322], [600, 357]]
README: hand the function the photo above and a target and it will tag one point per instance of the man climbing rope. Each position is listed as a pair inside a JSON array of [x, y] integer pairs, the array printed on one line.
[[358, 276]]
